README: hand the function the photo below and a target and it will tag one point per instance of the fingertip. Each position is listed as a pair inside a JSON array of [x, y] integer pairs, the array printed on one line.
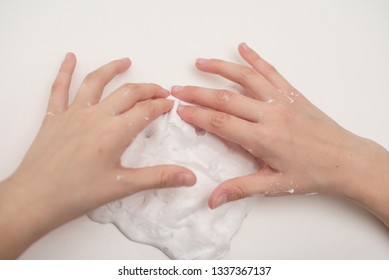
[[201, 62], [181, 111], [70, 59], [175, 90], [69, 56], [126, 60], [187, 179], [244, 47], [126, 63], [169, 105], [164, 92], [217, 199]]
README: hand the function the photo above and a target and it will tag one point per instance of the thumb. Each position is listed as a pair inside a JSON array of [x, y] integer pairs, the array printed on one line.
[[160, 176], [241, 187]]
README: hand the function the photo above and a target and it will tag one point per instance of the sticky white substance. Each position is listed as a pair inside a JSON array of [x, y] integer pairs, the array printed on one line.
[[313, 193], [119, 177], [178, 220]]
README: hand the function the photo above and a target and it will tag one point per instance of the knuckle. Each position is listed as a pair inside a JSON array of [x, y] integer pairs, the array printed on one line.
[[215, 65], [133, 87], [190, 114], [194, 94], [57, 86], [215, 62], [93, 77], [59, 83], [136, 90], [283, 114], [268, 68], [127, 86], [150, 109], [218, 120], [239, 191], [274, 138], [154, 86], [247, 74], [164, 180], [222, 97]]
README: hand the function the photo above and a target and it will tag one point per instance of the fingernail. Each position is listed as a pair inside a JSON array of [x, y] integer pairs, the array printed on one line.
[[176, 89], [68, 56], [201, 61], [185, 179], [126, 59], [220, 200], [245, 47], [180, 108]]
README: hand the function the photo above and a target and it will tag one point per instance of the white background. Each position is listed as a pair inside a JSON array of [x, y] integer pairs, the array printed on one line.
[[335, 52]]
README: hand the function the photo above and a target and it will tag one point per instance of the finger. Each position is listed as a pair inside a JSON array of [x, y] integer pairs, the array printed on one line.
[[225, 101], [242, 187], [93, 85], [264, 68], [125, 97], [224, 125], [60, 90], [162, 176], [253, 82], [145, 112]]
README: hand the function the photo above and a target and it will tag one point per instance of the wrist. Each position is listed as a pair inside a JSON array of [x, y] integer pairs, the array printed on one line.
[[25, 213], [365, 176]]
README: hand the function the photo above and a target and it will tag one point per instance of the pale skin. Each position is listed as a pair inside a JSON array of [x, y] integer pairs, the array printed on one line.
[[301, 150], [73, 166]]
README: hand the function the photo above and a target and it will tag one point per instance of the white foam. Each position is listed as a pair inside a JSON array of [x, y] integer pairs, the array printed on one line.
[[178, 220]]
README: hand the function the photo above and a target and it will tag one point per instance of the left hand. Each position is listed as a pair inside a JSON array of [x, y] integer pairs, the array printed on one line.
[[300, 148], [74, 164]]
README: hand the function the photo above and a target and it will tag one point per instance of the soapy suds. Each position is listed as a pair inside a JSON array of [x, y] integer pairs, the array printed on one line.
[[178, 220], [51, 114]]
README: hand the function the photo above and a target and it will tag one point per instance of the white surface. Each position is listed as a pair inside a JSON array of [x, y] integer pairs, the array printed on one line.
[[334, 52]]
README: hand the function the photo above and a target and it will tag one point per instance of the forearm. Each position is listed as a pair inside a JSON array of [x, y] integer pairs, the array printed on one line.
[[24, 216]]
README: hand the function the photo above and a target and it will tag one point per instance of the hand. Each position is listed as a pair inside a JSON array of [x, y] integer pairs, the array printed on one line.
[[74, 163], [301, 150]]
